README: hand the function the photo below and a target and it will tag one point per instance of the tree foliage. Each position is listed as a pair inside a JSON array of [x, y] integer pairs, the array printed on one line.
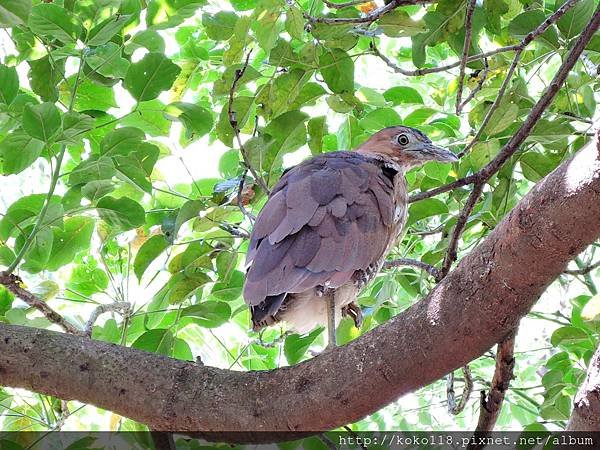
[[97, 99]]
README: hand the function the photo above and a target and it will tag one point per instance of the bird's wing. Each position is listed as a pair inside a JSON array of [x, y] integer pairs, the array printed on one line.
[[325, 219]]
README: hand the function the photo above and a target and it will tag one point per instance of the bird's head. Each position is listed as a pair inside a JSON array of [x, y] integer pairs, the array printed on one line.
[[406, 146]]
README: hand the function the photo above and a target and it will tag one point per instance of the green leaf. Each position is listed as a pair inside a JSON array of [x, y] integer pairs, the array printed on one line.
[[9, 83], [92, 169], [147, 78], [536, 166], [576, 18], [208, 314], [296, 346], [502, 118], [317, 128], [21, 213], [67, 243], [39, 251], [483, 152], [41, 121], [418, 117], [197, 120], [294, 22], [266, 25], [426, 208], [159, 340], [122, 213], [52, 21], [337, 69], [74, 126], [18, 151], [402, 94], [380, 118], [189, 210], [107, 61], [219, 26], [147, 253], [105, 30], [569, 336], [151, 40], [529, 21], [89, 96], [14, 12], [121, 141], [231, 290], [398, 23], [149, 116]]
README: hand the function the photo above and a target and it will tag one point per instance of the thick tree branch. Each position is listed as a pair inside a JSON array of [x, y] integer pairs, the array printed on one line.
[[489, 290], [586, 409]]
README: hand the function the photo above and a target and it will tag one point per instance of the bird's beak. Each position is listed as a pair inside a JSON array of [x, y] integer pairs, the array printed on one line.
[[435, 153]]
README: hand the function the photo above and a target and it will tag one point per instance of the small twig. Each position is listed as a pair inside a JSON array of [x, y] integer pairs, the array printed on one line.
[[461, 222], [482, 77], [492, 109], [532, 35], [231, 114], [346, 4], [14, 284], [435, 273], [491, 403], [465, 55], [453, 407], [123, 307], [328, 442], [367, 18], [583, 270], [234, 231], [240, 200]]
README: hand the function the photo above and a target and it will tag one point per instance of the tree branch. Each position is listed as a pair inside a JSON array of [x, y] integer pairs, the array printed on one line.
[[465, 55], [529, 37], [586, 409], [491, 404], [15, 285], [536, 112], [415, 348], [367, 18], [122, 307], [431, 270], [453, 407], [584, 270], [232, 116]]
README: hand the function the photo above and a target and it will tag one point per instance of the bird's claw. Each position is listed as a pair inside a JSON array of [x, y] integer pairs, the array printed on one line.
[[353, 311]]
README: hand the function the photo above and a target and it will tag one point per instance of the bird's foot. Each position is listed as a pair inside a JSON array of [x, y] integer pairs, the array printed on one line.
[[353, 311]]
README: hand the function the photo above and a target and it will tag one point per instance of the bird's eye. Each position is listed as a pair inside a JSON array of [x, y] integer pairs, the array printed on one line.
[[402, 139]]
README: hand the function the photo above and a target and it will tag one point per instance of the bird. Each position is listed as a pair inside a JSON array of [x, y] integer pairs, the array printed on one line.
[[326, 229]]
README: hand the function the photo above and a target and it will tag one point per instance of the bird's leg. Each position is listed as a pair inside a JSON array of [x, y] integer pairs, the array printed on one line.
[[331, 344], [355, 313]]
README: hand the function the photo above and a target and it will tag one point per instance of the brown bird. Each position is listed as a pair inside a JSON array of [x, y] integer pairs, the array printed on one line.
[[327, 228]]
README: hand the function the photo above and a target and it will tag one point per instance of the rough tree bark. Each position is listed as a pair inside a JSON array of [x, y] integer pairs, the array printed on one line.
[[586, 410], [473, 308]]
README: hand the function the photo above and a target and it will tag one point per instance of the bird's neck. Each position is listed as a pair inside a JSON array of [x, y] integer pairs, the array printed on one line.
[[385, 158]]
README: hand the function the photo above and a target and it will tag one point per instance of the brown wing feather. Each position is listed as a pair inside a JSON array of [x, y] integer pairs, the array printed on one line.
[[327, 218]]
